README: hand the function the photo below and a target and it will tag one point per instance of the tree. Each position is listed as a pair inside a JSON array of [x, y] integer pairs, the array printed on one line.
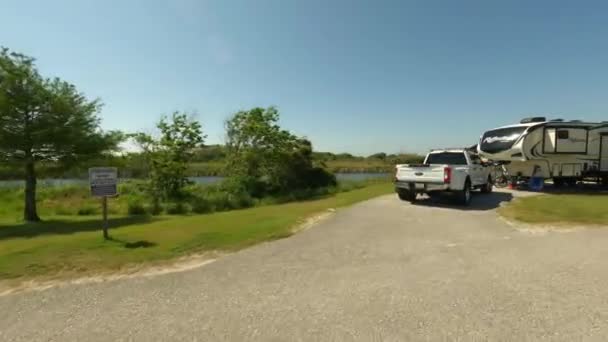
[[45, 120], [169, 155], [380, 155], [263, 158]]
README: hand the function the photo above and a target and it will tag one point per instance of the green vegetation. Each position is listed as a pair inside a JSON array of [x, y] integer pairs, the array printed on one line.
[[570, 208], [49, 129], [71, 245], [45, 120], [167, 157], [265, 160], [76, 200], [132, 165]]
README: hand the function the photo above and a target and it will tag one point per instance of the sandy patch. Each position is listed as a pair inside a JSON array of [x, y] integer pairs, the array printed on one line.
[[313, 220], [140, 270], [544, 228]]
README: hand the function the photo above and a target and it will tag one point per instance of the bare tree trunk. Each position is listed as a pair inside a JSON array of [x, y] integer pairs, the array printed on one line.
[[30, 213]]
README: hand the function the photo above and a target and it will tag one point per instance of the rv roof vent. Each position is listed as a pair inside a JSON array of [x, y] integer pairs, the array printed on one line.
[[533, 119], [557, 120], [576, 121]]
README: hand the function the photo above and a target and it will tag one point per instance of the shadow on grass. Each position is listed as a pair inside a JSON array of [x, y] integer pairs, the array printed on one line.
[[134, 245], [58, 227], [578, 189]]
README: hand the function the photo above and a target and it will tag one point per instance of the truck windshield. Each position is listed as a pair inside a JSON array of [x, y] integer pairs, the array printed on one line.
[[452, 158]]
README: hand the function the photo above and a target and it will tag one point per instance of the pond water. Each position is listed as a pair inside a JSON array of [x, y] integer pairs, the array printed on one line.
[[200, 180]]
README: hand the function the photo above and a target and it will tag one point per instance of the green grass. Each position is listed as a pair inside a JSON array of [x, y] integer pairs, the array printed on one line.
[[570, 208], [72, 245], [64, 201]]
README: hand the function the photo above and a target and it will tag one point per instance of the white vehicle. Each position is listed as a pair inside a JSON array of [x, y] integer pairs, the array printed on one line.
[[457, 170], [566, 151]]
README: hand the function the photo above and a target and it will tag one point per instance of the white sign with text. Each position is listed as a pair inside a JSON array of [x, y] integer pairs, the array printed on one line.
[[104, 181]]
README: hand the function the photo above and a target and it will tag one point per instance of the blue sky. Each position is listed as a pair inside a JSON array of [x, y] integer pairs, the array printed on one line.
[[356, 76]]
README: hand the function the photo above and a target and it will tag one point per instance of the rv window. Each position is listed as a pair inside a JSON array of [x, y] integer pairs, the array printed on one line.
[[453, 158], [562, 134], [501, 139]]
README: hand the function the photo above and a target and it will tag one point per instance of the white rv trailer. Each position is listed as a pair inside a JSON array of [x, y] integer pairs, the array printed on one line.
[[558, 149]]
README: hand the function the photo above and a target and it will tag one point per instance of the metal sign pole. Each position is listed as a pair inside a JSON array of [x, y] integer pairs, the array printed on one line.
[[104, 181], [104, 202]]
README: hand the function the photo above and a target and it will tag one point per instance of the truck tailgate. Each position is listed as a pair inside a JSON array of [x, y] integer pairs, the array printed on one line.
[[420, 173]]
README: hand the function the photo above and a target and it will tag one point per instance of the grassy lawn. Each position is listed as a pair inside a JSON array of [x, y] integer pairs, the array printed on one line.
[[571, 208], [72, 245]]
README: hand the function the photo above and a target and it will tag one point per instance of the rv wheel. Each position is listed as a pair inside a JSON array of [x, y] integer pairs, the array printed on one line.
[[558, 182]]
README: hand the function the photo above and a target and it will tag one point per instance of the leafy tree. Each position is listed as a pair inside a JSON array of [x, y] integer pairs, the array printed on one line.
[[45, 120], [263, 158], [210, 153], [381, 156], [169, 155]]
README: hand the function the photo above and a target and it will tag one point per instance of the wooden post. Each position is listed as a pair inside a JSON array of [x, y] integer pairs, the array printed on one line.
[[104, 202]]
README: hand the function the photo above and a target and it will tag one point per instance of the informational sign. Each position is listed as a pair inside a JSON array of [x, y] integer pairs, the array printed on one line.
[[103, 181]]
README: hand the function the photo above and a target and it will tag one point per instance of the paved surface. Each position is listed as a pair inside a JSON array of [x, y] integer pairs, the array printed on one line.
[[381, 270]]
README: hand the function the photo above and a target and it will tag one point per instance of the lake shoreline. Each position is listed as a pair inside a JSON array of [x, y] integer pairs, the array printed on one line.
[[57, 182]]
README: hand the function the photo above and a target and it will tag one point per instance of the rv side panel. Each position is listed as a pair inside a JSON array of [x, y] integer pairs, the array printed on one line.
[[571, 140], [549, 142]]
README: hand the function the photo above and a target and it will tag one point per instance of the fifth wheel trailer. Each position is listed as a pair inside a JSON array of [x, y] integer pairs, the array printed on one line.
[[558, 149]]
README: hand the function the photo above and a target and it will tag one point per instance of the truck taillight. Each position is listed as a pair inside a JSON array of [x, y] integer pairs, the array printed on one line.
[[447, 175]]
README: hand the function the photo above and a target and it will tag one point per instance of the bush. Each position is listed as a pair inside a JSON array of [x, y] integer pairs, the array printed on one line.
[[221, 198], [156, 208], [136, 207], [178, 208], [201, 205], [87, 210], [61, 210], [319, 178], [345, 186], [241, 200], [218, 200]]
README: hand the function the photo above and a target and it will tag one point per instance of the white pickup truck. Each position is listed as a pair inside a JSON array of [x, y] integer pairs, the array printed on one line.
[[446, 170]]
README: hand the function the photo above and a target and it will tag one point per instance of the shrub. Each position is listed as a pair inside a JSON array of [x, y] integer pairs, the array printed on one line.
[[178, 208], [201, 205], [87, 210], [61, 210], [241, 200], [156, 208], [318, 177], [218, 200], [136, 207]]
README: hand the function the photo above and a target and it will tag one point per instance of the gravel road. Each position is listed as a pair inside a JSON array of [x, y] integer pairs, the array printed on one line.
[[380, 270]]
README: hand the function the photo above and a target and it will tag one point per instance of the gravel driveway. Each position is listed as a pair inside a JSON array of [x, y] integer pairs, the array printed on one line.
[[380, 270]]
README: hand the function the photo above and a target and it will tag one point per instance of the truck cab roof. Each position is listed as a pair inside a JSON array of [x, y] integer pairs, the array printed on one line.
[[450, 149]]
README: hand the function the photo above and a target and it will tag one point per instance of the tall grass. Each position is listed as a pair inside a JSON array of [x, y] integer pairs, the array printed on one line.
[[76, 200]]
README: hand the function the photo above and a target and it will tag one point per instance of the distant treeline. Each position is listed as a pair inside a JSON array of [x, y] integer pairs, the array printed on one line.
[[210, 161]]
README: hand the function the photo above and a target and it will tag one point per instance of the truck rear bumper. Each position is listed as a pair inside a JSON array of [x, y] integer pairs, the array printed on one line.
[[421, 187]]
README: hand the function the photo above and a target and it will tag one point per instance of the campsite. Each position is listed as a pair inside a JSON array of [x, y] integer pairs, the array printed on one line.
[[391, 170]]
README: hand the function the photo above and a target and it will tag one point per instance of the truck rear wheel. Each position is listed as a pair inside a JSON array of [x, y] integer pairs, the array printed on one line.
[[464, 196], [406, 195]]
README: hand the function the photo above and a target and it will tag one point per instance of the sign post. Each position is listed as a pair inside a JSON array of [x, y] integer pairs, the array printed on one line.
[[104, 181]]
